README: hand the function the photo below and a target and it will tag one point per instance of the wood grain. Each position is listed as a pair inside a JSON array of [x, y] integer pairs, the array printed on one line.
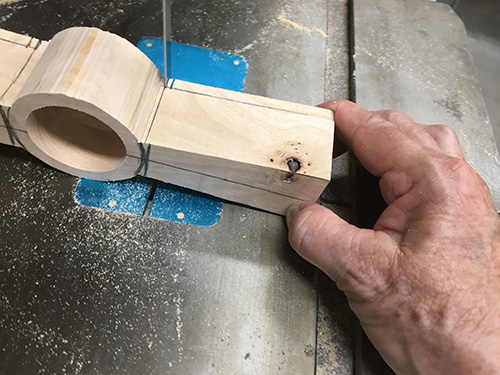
[[248, 142], [91, 104], [19, 55], [256, 100], [88, 71]]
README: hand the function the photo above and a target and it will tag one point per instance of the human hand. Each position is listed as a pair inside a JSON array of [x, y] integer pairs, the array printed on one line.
[[425, 281]]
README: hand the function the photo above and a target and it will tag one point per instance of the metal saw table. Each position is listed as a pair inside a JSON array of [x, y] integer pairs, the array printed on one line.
[[88, 291]]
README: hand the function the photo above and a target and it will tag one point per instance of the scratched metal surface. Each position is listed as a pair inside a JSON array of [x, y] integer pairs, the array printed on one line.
[[90, 291], [411, 56]]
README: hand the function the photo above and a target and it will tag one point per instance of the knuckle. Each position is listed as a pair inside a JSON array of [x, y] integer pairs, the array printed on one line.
[[397, 117], [458, 168], [458, 171], [377, 120], [444, 132], [462, 187]]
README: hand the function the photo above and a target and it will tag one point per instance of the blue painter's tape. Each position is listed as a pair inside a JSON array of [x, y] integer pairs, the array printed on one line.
[[185, 206], [198, 65], [187, 63], [122, 196]]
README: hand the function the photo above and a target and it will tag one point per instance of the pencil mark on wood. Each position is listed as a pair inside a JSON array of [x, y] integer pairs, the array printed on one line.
[[11, 131], [144, 163]]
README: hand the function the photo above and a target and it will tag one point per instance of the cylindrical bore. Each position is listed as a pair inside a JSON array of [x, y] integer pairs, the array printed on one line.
[[80, 140]]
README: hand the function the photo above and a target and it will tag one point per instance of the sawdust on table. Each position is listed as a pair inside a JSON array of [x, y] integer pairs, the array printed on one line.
[[492, 156], [295, 25]]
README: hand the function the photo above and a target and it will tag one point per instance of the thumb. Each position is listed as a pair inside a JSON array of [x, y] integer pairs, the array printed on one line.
[[356, 259]]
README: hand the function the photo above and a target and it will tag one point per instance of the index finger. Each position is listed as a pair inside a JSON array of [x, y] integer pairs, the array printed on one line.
[[377, 143], [348, 118]]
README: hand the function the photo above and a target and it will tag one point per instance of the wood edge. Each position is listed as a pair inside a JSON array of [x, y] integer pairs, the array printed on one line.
[[224, 189], [251, 99], [20, 39], [304, 187], [152, 116]]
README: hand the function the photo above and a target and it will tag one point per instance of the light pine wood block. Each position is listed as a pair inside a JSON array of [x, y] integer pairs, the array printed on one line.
[[238, 142], [17, 51], [91, 104], [20, 39], [13, 59], [256, 100], [13, 88], [16, 86], [19, 54], [232, 191]]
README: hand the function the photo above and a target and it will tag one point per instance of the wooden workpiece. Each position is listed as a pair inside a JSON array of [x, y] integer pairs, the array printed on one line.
[[91, 104], [19, 55]]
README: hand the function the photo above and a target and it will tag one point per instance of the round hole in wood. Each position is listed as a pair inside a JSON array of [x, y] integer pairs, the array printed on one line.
[[76, 139]]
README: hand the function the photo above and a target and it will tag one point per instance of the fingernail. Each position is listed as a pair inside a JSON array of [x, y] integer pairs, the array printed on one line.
[[332, 105], [292, 212]]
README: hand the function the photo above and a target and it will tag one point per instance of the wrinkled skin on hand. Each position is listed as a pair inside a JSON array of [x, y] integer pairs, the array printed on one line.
[[425, 282]]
